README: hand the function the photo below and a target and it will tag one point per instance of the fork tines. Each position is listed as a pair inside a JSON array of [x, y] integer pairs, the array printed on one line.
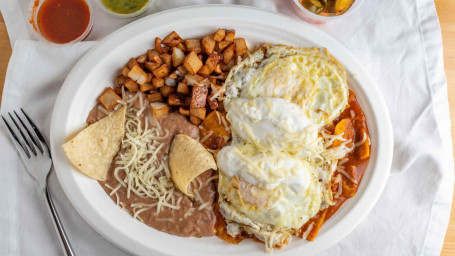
[[30, 139]]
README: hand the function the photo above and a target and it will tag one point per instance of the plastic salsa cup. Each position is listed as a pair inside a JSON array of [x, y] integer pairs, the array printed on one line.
[[60, 22], [125, 8]]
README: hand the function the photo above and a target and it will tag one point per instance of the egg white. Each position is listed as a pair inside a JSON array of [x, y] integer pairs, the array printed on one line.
[[308, 77], [273, 177]]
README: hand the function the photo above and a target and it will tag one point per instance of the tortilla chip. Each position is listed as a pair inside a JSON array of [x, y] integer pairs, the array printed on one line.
[[187, 160], [94, 148]]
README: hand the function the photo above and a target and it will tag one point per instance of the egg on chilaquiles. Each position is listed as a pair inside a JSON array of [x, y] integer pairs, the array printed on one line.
[[275, 175]]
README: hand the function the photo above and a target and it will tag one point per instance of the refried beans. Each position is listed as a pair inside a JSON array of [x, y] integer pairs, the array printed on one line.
[[189, 220]]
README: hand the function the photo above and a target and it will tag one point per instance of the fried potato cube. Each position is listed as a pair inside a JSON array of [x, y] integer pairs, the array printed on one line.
[[198, 96], [109, 99], [214, 127], [182, 70], [193, 45], [121, 80], [195, 120], [166, 58], [132, 63], [158, 44], [157, 82], [228, 53], [212, 80], [173, 75], [138, 74], [146, 87], [167, 90], [125, 71], [193, 79], [142, 58], [165, 49], [183, 88], [192, 63], [172, 40], [152, 65], [153, 55], [162, 71], [149, 77], [212, 61], [240, 46], [219, 34], [182, 47], [198, 112], [184, 111], [131, 85], [230, 34], [159, 109], [178, 56], [217, 69], [174, 100], [208, 44], [213, 103], [155, 97], [223, 44], [204, 71]]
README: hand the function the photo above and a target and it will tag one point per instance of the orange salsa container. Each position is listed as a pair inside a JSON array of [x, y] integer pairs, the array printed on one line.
[[61, 22]]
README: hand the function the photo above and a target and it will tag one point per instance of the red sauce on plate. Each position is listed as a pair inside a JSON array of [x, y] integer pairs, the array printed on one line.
[[62, 21]]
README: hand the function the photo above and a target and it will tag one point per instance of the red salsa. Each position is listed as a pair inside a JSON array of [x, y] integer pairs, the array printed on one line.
[[62, 21]]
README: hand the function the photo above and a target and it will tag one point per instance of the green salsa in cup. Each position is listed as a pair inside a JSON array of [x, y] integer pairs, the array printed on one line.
[[125, 6]]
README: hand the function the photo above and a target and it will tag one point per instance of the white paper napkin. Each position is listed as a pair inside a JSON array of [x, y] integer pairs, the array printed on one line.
[[398, 42]]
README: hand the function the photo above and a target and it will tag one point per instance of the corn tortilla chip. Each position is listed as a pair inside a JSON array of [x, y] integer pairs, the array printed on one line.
[[94, 148], [187, 160]]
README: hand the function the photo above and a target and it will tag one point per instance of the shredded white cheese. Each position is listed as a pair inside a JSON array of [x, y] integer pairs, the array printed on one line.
[[225, 124], [206, 137], [102, 109], [308, 230], [136, 213], [204, 205], [338, 181], [219, 119], [188, 213], [364, 138], [198, 197], [342, 171], [214, 177], [114, 191], [144, 174], [163, 219]]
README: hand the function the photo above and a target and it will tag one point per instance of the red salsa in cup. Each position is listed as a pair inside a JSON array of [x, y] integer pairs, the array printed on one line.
[[62, 21]]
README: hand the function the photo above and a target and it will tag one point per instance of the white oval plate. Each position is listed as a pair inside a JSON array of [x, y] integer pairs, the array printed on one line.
[[98, 69]]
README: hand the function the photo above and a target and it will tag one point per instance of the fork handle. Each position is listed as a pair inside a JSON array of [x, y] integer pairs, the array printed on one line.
[[66, 246]]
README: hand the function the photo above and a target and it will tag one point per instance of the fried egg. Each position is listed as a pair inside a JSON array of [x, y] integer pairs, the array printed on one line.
[[308, 77], [273, 177]]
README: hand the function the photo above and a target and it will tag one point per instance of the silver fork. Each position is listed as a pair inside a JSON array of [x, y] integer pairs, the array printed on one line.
[[35, 154]]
